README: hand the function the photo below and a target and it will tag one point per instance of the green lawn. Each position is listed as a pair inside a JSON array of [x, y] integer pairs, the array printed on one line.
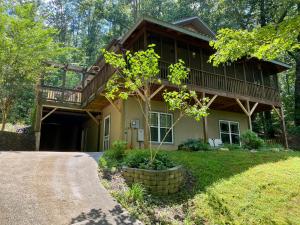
[[239, 187]]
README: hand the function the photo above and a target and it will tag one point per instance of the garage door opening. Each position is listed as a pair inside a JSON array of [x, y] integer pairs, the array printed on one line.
[[69, 131]]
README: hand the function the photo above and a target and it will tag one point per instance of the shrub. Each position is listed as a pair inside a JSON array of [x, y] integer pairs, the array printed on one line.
[[141, 160], [118, 149], [135, 193], [194, 145], [107, 160], [112, 158], [250, 140], [295, 130]]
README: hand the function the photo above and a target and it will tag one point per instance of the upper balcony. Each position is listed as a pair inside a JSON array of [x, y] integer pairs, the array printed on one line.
[[249, 79]]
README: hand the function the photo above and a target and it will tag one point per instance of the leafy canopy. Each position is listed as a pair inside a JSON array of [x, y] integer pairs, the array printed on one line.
[[267, 42], [25, 43]]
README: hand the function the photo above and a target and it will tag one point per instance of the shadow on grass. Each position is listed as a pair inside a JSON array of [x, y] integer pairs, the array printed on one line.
[[115, 216], [207, 168]]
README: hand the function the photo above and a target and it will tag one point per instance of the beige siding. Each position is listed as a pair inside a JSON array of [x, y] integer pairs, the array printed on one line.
[[115, 123], [184, 129], [215, 116], [91, 136]]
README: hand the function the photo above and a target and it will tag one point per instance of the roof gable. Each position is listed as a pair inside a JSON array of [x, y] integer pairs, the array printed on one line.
[[195, 24]]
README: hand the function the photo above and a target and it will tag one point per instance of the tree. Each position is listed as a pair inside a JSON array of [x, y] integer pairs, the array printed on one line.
[[24, 45], [138, 73], [273, 40]]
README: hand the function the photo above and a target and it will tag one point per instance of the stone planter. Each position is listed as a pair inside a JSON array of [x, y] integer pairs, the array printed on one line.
[[161, 182]]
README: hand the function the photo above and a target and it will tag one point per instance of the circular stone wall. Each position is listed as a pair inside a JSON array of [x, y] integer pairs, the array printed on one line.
[[161, 182]]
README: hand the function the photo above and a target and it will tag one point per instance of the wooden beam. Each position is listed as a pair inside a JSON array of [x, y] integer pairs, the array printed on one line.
[[157, 91], [93, 118], [112, 103], [242, 106], [276, 110], [211, 100], [253, 108], [198, 101], [249, 116], [49, 113], [284, 133]]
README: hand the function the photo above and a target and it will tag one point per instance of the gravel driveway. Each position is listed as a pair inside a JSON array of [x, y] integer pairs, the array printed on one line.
[[55, 188]]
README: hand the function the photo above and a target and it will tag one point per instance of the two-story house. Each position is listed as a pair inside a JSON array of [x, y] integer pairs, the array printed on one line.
[[82, 118]]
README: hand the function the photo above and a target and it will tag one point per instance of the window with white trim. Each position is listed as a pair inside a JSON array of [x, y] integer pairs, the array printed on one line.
[[160, 124], [229, 132]]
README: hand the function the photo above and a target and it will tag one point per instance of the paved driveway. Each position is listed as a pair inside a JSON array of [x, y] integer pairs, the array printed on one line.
[[55, 188]]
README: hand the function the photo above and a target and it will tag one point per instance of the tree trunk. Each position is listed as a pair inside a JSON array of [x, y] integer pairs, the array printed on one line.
[[146, 119], [3, 120], [297, 91]]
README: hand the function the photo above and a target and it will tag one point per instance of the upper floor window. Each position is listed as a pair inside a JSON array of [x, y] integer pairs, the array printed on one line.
[[229, 132], [161, 127]]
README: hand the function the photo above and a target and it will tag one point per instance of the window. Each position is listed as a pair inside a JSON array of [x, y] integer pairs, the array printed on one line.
[[160, 124], [229, 132]]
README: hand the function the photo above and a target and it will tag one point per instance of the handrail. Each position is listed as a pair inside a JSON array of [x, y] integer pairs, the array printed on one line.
[[196, 77], [225, 83]]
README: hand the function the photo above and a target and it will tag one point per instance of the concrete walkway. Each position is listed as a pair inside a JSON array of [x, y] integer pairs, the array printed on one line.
[[54, 188]]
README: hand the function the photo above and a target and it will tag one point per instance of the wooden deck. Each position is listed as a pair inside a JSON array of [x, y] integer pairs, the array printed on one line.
[[198, 80]]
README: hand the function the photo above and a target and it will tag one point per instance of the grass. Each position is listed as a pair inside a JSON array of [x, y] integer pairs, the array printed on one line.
[[244, 188], [231, 187]]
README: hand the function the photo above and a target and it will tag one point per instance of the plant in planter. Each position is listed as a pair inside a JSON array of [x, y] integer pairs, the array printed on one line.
[[161, 176]]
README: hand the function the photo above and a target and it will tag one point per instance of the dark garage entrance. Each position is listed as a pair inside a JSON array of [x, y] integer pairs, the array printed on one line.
[[66, 131]]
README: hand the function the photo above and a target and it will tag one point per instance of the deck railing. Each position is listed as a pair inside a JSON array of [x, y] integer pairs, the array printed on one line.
[[224, 83], [97, 82], [61, 95], [197, 77]]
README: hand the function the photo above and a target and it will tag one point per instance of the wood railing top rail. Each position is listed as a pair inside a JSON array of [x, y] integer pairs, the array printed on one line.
[[197, 77]]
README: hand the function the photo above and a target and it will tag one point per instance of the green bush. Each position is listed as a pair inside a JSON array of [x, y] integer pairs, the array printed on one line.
[[112, 158], [118, 149], [194, 145], [108, 161], [141, 160], [135, 193], [295, 130], [250, 140]]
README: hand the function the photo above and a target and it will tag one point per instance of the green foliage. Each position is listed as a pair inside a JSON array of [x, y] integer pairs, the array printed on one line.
[[112, 158], [107, 161], [294, 130], [194, 145], [25, 43], [138, 69], [268, 42], [135, 194], [250, 140], [118, 149], [142, 160]]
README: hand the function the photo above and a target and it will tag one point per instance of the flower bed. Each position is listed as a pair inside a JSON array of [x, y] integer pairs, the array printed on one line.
[[161, 182]]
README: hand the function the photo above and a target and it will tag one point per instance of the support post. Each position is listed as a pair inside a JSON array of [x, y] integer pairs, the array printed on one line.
[[284, 134], [249, 116], [205, 136]]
